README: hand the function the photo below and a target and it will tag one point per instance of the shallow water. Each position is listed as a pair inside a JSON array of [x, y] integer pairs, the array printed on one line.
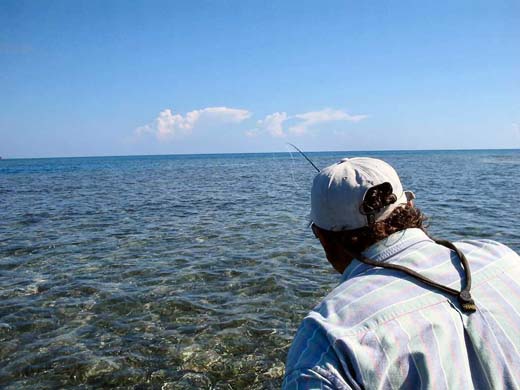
[[183, 272]]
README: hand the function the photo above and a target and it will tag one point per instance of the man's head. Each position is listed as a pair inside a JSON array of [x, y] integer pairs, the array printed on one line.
[[357, 202]]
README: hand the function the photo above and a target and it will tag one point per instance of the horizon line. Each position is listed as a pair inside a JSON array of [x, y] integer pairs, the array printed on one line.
[[272, 152]]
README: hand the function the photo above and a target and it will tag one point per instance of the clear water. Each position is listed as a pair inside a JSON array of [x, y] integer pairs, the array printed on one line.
[[181, 272]]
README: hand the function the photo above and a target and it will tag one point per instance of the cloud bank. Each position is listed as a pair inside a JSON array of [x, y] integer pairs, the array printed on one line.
[[273, 124], [168, 125]]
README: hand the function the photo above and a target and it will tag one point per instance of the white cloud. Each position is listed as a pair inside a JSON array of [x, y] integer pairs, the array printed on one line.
[[313, 118], [168, 125], [273, 124]]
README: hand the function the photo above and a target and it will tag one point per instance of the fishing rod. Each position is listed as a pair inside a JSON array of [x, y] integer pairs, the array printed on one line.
[[303, 154]]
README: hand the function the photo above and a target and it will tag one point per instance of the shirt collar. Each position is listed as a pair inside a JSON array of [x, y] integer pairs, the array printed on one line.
[[385, 249]]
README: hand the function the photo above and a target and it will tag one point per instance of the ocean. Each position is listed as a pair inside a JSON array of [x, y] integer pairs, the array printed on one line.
[[193, 271]]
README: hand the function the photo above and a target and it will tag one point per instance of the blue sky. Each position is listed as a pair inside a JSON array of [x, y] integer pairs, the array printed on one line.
[[83, 78]]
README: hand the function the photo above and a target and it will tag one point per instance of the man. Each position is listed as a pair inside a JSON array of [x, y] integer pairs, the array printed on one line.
[[410, 312]]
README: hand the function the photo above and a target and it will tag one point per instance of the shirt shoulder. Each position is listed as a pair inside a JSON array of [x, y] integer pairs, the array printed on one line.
[[484, 254], [487, 245]]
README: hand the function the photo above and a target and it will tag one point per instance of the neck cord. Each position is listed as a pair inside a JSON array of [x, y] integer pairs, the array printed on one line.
[[464, 296]]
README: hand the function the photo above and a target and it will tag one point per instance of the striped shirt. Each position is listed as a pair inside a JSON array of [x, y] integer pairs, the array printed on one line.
[[382, 329]]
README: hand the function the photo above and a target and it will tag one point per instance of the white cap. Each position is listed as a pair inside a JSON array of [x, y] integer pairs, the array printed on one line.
[[338, 193]]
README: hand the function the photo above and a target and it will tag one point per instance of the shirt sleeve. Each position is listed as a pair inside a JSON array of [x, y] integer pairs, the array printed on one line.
[[313, 379], [313, 361]]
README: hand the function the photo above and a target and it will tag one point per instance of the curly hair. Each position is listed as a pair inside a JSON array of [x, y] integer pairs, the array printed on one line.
[[358, 240]]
